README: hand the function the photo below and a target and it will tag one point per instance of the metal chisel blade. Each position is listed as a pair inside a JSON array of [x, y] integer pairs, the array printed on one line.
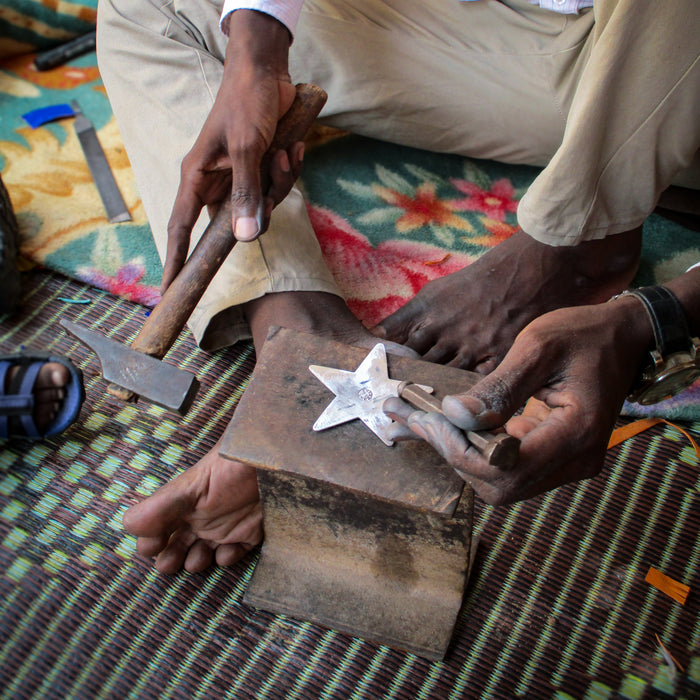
[[99, 168]]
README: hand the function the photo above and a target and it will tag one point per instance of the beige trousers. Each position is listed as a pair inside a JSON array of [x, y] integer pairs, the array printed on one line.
[[608, 101]]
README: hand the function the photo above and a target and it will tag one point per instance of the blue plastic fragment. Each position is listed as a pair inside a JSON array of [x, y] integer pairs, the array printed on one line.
[[74, 301], [40, 116]]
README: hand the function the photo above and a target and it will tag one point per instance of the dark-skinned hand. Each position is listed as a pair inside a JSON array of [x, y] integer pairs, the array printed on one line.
[[225, 159], [578, 364]]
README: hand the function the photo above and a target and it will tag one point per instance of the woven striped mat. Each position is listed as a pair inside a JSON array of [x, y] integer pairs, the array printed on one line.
[[557, 605]]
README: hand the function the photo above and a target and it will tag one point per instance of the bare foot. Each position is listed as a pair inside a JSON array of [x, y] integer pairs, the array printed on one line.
[[211, 513], [48, 390], [470, 318]]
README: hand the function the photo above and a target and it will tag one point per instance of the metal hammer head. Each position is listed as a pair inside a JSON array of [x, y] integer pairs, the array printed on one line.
[[139, 374]]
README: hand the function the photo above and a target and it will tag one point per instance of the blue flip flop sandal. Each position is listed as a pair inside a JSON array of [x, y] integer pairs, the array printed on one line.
[[17, 400]]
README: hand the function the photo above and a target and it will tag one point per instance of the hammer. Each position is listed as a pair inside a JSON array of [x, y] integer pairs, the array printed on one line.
[[137, 370]]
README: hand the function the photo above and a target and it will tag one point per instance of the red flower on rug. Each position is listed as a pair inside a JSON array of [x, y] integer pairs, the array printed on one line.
[[422, 208], [377, 281], [126, 283], [495, 202], [498, 232]]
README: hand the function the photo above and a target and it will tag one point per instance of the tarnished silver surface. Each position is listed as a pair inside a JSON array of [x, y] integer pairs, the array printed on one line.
[[360, 394]]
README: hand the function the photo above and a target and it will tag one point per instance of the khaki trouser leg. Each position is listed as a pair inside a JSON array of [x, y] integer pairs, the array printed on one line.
[[162, 63], [471, 78], [633, 127], [610, 108]]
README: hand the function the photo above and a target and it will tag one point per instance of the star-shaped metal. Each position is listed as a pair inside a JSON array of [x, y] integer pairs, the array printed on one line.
[[360, 394]]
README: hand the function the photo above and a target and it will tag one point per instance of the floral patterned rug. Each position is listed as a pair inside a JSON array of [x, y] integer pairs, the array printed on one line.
[[62, 221], [389, 218]]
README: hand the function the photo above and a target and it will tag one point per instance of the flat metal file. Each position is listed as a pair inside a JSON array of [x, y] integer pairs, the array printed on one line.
[[99, 168]]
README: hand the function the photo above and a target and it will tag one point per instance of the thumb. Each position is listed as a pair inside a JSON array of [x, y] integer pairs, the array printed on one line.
[[246, 196], [249, 185], [496, 397]]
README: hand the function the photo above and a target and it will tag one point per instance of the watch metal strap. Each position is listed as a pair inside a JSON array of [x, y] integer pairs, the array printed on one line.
[[667, 318]]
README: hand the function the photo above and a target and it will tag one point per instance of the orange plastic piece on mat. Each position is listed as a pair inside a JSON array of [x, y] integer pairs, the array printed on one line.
[[631, 429], [672, 588]]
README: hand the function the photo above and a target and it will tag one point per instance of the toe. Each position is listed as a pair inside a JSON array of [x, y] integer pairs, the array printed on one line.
[[161, 513], [486, 366], [401, 325], [229, 554], [151, 546], [173, 557], [52, 375], [199, 557], [445, 352]]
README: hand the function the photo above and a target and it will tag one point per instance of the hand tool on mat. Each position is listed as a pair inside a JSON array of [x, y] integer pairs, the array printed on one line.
[[361, 394], [59, 55], [131, 369], [99, 168]]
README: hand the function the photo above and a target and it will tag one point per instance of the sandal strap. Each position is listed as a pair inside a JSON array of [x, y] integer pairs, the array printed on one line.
[[4, 420], [13, 404], [21, 423], [26, 381], [17, 402]]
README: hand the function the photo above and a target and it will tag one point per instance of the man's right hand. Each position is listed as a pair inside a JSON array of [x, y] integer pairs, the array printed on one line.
[[578, 363], [255, 92]]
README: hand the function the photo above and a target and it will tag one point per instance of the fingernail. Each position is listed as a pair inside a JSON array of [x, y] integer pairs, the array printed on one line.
[[302, 150], [464, 417], [247, 228], [284, 162]]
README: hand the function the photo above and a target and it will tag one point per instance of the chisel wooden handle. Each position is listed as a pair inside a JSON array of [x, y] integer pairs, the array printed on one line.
[[170, 315], [498, 449]]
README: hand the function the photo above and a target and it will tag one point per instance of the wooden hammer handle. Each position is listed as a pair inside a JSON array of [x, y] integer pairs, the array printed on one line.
[[170, 315], [498, 449]]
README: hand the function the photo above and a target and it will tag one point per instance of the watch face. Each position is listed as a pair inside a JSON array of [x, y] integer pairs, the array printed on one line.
[[668, 384]]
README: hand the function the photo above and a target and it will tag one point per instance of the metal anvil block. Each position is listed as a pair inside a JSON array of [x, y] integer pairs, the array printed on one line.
[[360, 537]]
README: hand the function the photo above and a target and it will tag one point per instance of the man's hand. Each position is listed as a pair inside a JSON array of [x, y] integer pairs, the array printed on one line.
[[578, 364], [225, 160]]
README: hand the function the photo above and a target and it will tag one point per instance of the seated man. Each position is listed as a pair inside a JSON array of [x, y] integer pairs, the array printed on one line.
[[600, 98]]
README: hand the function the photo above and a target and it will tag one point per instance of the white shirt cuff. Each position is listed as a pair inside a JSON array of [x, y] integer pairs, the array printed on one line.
[[285, 11]]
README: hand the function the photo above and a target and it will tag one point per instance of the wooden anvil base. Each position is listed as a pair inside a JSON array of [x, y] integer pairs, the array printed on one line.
[[359, 537]]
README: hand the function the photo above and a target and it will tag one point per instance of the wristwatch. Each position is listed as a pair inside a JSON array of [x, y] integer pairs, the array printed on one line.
[[673, 363]]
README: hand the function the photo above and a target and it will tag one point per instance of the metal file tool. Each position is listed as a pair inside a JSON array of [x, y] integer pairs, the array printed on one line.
[[99, 168]]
